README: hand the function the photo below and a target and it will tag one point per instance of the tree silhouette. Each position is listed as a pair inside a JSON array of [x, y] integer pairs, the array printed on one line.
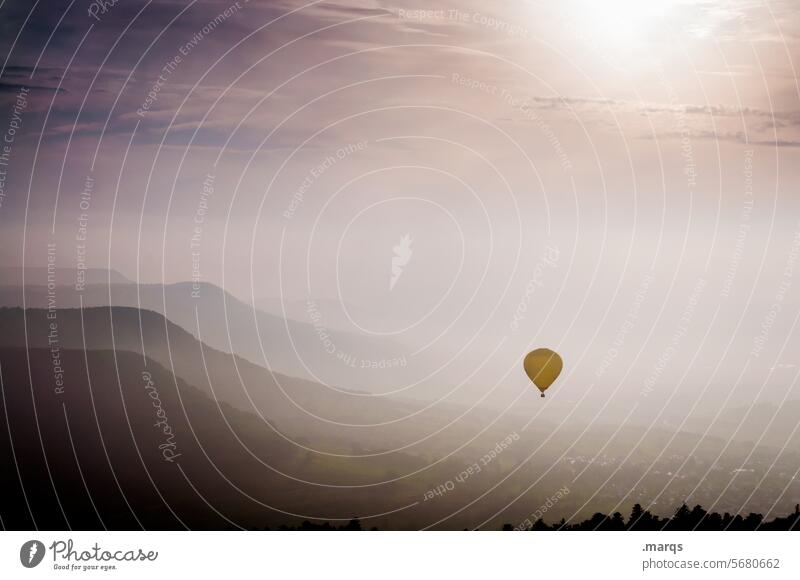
[[353, 525], [640, 519], [684, 519], [636, 515], [643, 520], [681, 521]]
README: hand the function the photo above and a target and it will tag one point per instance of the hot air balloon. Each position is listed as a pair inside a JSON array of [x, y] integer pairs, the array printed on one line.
[[543, 367]]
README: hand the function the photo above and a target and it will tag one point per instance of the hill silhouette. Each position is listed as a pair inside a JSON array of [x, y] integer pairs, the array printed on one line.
[[93, 456], [227, 324], [228, 378], [290, 404]]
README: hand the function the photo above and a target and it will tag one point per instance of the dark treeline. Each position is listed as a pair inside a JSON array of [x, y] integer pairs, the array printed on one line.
[[353, 525], [684, 519]]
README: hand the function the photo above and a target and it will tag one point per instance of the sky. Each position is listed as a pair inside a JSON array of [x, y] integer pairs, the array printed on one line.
[[616, 181]]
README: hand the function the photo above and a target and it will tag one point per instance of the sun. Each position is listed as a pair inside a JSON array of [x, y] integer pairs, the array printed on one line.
[[620, 24]]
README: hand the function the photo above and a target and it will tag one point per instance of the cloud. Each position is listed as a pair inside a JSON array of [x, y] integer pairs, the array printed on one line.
[[15, 88], [732, 136], [654, 107], [701, 121]]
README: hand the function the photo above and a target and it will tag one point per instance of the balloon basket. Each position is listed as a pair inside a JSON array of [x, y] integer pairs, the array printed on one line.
[[543, 395]]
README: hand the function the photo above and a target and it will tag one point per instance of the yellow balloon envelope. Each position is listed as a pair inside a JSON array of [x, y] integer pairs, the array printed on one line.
[[543, 367]]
